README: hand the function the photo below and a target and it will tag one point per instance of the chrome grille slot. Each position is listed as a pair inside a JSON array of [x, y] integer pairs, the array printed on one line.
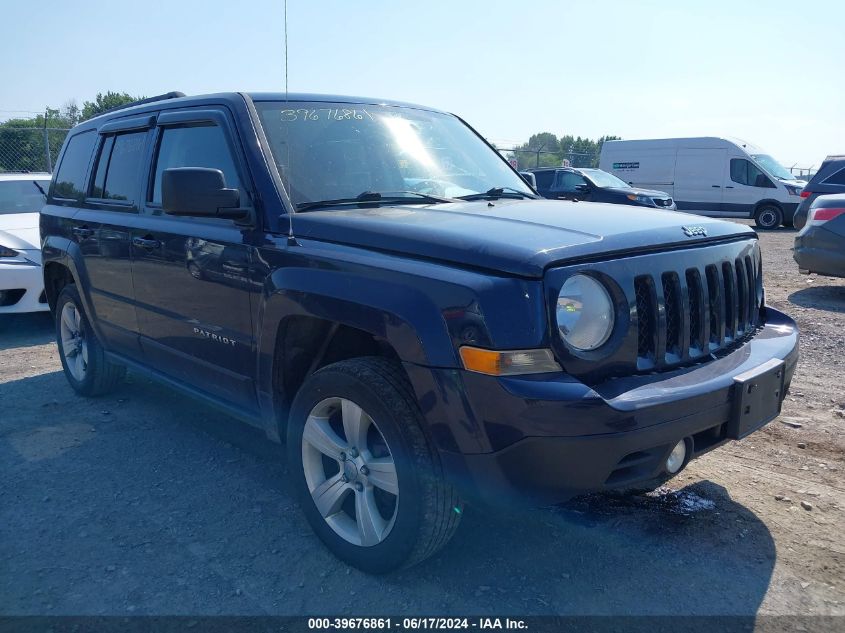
[[646, 321], [672, 306]]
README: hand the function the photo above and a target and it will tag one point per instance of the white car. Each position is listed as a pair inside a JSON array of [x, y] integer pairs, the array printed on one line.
[[21, 281]]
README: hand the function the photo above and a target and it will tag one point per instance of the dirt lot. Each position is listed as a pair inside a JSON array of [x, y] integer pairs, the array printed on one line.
[[146, 502]]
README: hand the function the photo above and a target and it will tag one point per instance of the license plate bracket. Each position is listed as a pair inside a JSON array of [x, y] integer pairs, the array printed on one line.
[[757, 398]]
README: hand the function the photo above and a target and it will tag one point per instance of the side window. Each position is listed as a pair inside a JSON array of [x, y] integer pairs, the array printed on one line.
[[567, 181], [836, 178], [544, 179], [194, 146], [118, 172], [747, 173], [69, 181]]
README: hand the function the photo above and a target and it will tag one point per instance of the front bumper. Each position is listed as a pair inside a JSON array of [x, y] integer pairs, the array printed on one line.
[[24, 287], [817, 250], [549, 438]]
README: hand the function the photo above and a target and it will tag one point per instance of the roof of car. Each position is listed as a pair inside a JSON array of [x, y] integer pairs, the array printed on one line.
[[27, 175], [172, 99]]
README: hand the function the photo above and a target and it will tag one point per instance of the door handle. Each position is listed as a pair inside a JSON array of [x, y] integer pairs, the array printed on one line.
[[147, 243], [729, 187], [82, 231], [717, 186]]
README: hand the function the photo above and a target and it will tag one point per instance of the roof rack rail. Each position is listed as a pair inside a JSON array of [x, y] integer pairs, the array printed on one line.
[[167, 95]]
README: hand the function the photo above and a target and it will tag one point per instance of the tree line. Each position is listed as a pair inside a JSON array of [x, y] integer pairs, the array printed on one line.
[[24, 141], [545, 149]]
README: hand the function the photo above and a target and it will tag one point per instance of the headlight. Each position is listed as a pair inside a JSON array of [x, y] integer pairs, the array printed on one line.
[[584, 313], [641, 199], [793, 191], [5, 251]]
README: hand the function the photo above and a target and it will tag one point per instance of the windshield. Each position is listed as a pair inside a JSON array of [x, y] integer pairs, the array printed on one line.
[[772, 166], [332, 151], [22, 196], [603, 179]]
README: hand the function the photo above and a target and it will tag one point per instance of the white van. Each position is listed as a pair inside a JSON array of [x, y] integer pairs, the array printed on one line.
[[718, 177]]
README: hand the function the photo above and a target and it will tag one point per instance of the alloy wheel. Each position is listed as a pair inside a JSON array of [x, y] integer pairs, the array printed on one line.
[[350, 472], [73, 341]]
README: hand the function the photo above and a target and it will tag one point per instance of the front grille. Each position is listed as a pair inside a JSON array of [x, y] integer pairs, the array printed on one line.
[[698, 310]]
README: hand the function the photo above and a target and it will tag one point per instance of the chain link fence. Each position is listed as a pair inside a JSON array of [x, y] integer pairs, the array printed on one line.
[[531, 158], [30, 149]]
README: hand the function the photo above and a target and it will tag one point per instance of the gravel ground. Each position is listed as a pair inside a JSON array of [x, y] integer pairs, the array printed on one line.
[[146, 502]]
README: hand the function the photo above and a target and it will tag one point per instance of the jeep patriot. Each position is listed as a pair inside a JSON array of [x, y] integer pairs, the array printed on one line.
[[372, 283]]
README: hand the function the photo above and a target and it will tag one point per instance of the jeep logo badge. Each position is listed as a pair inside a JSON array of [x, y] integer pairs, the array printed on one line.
[[692, 231]]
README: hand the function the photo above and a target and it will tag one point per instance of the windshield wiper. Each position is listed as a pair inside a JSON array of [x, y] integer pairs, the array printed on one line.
[[370, 197], [43, 193], [498, 192]]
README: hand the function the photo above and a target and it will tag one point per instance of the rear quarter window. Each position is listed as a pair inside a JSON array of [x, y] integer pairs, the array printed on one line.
[[69, 181]]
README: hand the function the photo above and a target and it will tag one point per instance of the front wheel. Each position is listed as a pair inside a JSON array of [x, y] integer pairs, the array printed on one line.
[[768, 217], [83, 358], [368, 481]]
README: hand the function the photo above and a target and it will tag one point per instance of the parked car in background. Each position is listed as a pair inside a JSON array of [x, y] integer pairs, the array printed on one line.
[[718, 177], [595, 185], [820, 244], [21, 281], [830, 178], [310, 265]]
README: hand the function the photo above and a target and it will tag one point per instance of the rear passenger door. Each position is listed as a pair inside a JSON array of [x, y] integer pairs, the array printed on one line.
[[192, 275], [103, 224]]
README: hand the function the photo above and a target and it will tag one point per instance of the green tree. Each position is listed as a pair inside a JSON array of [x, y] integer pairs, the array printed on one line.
[[104, 102]]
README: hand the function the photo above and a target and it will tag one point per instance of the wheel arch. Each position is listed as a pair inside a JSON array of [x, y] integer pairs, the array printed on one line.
[[301, 329]]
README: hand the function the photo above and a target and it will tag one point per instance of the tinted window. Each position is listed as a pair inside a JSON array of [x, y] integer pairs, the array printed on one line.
[[22, 196], [70, 177], [194, 146], [568, 181], [544, 179], [119, 167], [836, 178], [745, 172]]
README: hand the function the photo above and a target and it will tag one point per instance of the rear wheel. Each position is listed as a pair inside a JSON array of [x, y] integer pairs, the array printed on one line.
[[768, 217], [83, 358], [369, 483]]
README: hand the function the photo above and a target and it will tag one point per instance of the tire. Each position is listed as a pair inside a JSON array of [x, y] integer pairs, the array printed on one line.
[[83, 358], [400, 529], [768, 217]]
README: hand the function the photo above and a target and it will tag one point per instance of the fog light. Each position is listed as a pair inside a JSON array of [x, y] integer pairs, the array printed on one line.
[[676, 457]]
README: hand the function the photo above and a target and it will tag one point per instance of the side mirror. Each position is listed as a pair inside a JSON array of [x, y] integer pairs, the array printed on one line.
[[762, 181], [199, 192], [582, 188]]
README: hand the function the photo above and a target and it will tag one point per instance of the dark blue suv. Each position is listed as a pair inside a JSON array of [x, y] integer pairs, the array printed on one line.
[[373, 283]]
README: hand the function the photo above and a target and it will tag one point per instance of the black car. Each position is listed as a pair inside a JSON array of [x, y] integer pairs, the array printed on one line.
[[820, 244], [830, 178], [375, 283], [596, 185]]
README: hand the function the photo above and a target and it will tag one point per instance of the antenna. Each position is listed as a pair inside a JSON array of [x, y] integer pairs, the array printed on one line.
[[291, 238]]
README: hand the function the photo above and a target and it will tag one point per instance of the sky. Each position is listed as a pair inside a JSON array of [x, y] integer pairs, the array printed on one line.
[[768, 72]]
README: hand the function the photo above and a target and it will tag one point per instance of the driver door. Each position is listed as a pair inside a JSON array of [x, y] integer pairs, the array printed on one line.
[[568, 185]]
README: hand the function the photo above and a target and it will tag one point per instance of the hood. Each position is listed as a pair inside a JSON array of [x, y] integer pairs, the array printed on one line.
[[795, 183], [20, 231], [651, 193], [521, 237]]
